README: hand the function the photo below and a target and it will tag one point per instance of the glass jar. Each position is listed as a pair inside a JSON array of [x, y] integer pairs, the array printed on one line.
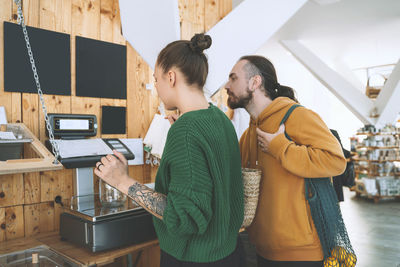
[[109, 196]]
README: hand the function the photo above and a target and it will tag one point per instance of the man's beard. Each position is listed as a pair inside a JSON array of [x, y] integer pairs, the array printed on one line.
[[240, 102]]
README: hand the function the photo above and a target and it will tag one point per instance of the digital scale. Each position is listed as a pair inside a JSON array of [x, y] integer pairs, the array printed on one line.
[[85, 220], [100, 228]]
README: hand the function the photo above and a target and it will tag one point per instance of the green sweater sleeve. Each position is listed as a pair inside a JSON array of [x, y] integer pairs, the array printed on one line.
[[188, 209]]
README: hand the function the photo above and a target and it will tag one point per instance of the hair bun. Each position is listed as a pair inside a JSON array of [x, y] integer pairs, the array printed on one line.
[[200, 42]]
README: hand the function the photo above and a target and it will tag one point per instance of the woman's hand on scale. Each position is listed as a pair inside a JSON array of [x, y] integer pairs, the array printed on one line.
[[113, 169]]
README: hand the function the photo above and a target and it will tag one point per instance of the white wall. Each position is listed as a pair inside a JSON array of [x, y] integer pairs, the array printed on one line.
[[348, 35]]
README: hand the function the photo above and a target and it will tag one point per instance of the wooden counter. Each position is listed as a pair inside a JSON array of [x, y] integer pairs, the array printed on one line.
[[76, 253]]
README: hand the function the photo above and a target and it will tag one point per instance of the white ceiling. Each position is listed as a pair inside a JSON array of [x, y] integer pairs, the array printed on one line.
[[359, 32]]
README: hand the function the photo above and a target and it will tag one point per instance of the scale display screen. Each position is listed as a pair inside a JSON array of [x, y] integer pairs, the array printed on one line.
[[66, 124]]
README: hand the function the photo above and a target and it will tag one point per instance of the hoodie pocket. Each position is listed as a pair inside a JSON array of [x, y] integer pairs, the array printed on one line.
[[294, 228]]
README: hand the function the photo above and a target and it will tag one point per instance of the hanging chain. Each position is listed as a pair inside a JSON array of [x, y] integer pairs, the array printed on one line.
[[20, 21]]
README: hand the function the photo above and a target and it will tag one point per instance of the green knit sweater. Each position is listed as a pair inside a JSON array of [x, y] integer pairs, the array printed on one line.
[[200, 172]]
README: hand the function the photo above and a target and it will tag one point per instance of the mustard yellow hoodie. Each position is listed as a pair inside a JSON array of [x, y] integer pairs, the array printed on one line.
[[283, 229]]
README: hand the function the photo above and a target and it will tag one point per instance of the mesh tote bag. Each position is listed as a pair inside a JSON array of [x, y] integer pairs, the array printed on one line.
[[327, 217]]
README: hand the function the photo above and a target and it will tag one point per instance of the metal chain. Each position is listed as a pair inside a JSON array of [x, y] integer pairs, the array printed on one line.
[[54, 145]]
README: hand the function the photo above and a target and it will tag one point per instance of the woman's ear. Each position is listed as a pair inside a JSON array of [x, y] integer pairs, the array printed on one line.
[[171, 78]]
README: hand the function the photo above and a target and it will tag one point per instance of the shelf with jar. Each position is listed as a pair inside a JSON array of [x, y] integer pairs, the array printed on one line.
[[376, 157]]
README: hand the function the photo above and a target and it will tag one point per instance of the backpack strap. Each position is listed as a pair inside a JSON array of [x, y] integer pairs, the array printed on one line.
[[287, 116]]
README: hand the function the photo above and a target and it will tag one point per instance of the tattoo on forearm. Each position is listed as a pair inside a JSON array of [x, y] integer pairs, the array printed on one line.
[[149, 199]]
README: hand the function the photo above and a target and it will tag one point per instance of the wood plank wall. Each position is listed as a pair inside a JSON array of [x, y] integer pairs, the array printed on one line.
[[26, 200]]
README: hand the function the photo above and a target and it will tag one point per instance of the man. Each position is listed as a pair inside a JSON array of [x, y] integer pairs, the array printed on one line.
[[283, 231]]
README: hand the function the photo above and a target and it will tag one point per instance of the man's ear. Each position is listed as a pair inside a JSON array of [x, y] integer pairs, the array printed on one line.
[[171, 78], [255, 82]]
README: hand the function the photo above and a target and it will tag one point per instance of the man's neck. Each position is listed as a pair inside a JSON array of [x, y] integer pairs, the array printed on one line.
[[257, 105]]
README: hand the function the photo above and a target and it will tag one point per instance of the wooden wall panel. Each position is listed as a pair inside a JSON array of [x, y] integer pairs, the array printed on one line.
[[30, 112], [32, 221], [49, 186], [86, 18], [192, 17], [30, 117], [56, 183], [211, 14], [11, 190], [136, 110], [16, 113], [224, 7], [63, 15], [2, 224], [39, 218], [14, 222], [57, 212], [31, 188], [31, 11], [55, 15], [46, 217], [149, 257], [215, 10], [110, 30], [14, 13]]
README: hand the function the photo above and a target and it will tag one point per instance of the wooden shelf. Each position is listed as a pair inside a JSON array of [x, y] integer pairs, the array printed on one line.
[[374, 134], [380, 161], [44, 161], [364, 167], [378, 147], [69, 250], [377, 174], [375, 198]]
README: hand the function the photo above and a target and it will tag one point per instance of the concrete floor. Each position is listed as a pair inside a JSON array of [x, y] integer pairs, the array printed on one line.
[[374, 230]]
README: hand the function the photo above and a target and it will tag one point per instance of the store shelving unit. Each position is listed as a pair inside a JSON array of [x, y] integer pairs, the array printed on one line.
[[377, 164]]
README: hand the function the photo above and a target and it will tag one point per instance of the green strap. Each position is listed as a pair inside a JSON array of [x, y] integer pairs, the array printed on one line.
[[287, 116]]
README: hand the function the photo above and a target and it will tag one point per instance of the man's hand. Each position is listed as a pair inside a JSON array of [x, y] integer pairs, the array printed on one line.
[[264, 138]]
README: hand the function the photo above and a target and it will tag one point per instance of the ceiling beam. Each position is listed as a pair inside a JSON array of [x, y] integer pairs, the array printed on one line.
[[387, 103], [242, 32], [149, 26], [358, 103]]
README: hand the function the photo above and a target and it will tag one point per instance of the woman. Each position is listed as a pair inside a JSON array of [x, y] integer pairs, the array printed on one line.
[[198, 196]]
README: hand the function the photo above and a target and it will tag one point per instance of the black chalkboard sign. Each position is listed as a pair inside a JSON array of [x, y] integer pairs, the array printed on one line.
[[52, 55], [113, 120], [100, 69]]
